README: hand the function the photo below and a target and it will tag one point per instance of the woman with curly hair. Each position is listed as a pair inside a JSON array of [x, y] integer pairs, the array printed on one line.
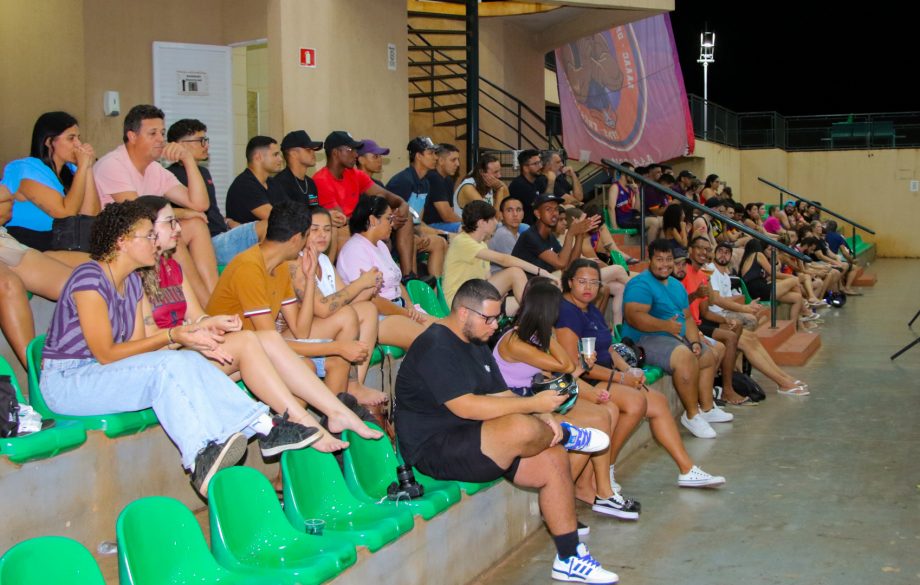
[[98, 360]]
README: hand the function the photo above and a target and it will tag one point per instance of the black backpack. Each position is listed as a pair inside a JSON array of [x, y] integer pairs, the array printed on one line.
[[9, 409]]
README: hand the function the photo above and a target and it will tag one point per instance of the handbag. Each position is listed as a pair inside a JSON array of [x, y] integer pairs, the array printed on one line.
[[9, 409], [71, 234]]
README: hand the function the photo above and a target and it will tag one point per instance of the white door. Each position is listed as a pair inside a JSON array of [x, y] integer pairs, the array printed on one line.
[[194, 81]]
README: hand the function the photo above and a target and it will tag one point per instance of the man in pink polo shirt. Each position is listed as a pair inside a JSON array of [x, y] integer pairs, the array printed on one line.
[[133, 169], [339, 184]]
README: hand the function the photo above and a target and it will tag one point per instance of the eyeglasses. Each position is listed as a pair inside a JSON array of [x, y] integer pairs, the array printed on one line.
[[587, 282], [390, 217], [151, 237], [489, 319], [203, 141], [172, 221]]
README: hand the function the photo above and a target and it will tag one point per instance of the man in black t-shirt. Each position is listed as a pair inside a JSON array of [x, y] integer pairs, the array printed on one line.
[[251, 195], [439, 207], [299, 153], [456, 420], [539, 246], [530, 184], [227, 243], [563, 178]]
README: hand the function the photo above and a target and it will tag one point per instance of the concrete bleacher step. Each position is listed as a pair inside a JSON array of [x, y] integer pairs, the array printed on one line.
[[773, 338], [797, 349], [866, 279]]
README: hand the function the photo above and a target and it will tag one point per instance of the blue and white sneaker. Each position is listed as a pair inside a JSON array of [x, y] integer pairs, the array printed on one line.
[[585, 440], [582, 568]]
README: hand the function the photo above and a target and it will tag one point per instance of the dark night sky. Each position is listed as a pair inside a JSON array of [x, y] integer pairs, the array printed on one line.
[[800, 58]]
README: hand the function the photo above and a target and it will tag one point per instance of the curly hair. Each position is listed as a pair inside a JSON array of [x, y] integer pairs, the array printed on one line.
[[113, 223]]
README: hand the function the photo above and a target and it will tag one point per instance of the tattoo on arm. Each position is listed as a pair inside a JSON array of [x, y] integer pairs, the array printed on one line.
[[335, 300]]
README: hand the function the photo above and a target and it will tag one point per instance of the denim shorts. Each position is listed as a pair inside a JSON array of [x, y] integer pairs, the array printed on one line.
[[451, 227], [230, 243], [658, 350]]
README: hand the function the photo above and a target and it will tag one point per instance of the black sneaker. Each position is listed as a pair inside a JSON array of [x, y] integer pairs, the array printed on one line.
[[583, 529], [214, 457], [286, 435], [618, 507]]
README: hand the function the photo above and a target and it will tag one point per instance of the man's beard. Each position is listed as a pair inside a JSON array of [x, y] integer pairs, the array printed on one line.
[[723, 262], [468, 333], [661, 278]]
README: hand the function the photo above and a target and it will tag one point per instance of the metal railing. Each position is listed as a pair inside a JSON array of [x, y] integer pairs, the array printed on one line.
[[773, 244], [802, 133], [855, 226]]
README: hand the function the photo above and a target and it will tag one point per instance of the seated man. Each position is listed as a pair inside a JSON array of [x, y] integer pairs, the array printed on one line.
[[457, 420], [658, 318], [227, 243], [540, 247], [506, 234], [530, 184], [299, 152], [133, 169], [252, 194], [439, 208], [256, 285], [563, 178]]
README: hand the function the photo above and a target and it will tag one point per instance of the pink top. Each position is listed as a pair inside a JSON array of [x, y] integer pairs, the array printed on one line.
[[359, 254], [115, 173]]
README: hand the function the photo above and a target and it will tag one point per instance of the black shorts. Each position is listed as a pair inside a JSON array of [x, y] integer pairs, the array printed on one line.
[[457, 455], [708, 327]]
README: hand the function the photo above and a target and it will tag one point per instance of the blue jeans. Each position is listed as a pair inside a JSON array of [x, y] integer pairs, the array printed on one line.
[[451, 228], [195, 402], [230, 243]]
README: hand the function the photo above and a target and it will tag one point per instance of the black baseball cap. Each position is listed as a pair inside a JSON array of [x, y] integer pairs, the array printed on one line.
[[339, 138], [686, 173], [299, 139], [546, 198]]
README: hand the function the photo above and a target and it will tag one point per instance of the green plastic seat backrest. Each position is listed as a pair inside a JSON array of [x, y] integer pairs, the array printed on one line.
[[314, 486], [372, 464], [744, 290], [617, 257], [618, 333], [376, 356], [607, 222], [114, 425], [445, 307], [159, 541], [424, 296], [49, 559], [249, 530]]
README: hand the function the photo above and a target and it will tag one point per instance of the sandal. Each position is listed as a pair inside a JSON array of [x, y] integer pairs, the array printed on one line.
[[746, 401], [796, 391]]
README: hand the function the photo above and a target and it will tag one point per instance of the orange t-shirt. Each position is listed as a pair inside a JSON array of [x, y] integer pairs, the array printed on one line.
[[692, 281]]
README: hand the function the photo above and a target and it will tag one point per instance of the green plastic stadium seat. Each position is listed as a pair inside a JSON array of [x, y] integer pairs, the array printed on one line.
[[159, 542], [617, 258], [63, 436], [608, 221], [471, 488], [49, 559], [652, 374], [424, 296], [221, 268], [113, 425], [747, 295], [445, 308], [315, 488], [370, 467], [249, 533]]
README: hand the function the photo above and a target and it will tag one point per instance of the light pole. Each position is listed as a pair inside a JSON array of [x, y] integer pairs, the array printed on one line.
[[707, 56]]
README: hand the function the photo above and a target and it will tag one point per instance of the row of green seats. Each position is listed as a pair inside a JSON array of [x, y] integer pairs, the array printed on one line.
[[608, 221], [430, 300]]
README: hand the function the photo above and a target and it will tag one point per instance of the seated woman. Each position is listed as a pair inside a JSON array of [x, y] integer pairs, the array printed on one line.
[[753, 218], [675, 227], [468, 256], [98, 360], [600, 241], [755, 270], [371, 223], [262, 359], [530, 348], [623, 394], [484, 182], [23, 270], [54, 181], [333, 296]]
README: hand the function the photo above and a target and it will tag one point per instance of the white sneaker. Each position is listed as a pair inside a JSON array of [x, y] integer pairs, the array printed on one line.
[[696, 477], [613, 483], [716, 415], [698, 426], [582, 568], [585, 440]]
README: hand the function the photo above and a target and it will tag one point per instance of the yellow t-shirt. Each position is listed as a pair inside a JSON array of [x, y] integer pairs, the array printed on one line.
[[246, 288], [461, 264]]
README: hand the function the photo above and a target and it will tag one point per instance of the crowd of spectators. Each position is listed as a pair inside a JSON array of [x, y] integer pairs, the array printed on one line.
[[313, 276]]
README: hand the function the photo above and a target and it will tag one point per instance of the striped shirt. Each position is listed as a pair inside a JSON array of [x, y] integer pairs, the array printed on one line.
[[65, 337]]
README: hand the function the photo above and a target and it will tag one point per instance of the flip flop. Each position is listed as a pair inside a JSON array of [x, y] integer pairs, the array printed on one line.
[[746, 402], [800, 383], [796, 391]]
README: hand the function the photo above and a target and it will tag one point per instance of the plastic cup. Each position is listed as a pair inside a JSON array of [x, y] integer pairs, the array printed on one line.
[[586, 345], [635, 372], [314, 526]]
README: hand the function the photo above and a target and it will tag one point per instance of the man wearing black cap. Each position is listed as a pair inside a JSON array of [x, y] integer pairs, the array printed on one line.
[[684, 179], [539, 246], [339, 184], [300, 155]]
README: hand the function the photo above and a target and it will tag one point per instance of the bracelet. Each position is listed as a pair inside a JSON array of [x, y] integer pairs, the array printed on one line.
[[202, 318], [610, 381], [169, 336]]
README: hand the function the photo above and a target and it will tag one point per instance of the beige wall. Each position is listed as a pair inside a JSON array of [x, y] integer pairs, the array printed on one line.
[[351, 88], [871, 187], [42, 48]]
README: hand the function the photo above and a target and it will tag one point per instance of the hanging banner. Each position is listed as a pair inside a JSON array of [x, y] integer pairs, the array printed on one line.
[[622, 95]]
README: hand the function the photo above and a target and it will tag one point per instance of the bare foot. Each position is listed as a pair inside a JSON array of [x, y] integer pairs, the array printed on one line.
[[329, 444], [366, 395], [348, 420]]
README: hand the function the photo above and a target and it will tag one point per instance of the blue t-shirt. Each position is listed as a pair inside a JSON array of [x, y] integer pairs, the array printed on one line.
[[666, 298], [589, 323], [25, 213], [834, 241], [414, 189]]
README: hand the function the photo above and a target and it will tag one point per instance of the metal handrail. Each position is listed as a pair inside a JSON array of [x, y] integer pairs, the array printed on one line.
[[774, 245]]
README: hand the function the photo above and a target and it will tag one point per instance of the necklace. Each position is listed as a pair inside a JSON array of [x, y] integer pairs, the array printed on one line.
[[297, 181], [112, 276]]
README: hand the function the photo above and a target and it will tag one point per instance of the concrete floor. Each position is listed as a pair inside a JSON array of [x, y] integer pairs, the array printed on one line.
[[822, 489]]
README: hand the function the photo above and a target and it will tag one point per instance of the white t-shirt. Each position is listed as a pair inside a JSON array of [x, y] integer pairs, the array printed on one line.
[[325, 276], [722, 284]]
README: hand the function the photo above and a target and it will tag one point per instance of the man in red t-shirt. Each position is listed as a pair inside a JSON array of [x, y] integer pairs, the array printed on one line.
[[339, 184]]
